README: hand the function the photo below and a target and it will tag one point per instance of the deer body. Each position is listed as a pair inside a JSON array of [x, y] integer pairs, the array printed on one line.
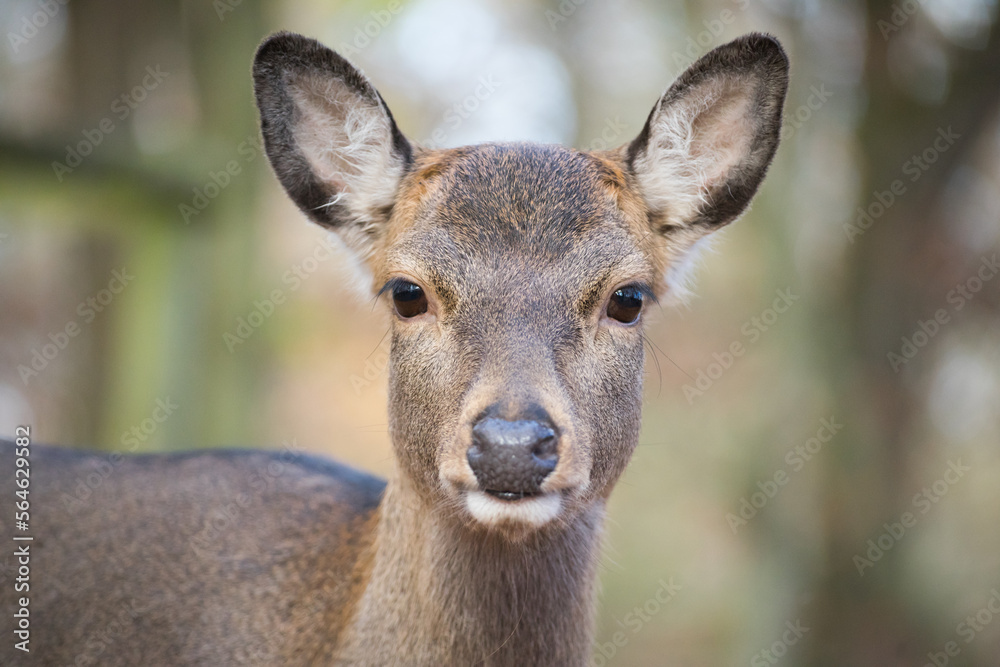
[[517, 276]]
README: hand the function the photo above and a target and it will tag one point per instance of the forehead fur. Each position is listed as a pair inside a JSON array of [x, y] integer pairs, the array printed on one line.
[[519, 204], [541, 199]]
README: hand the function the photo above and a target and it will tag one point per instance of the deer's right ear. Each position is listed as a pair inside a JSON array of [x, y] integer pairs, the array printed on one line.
[[329, 136]]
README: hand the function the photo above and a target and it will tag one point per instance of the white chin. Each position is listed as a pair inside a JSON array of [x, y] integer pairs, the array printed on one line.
[[533, 511]]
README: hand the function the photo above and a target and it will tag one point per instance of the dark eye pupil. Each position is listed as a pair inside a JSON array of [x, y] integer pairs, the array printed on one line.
[[409, 299], [625, 305]]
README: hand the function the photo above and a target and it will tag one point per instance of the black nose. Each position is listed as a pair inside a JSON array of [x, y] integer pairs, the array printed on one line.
[[511, 458]]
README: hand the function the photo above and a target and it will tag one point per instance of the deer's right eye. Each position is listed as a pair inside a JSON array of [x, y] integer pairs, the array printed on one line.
[[625, 304], [408, 299]]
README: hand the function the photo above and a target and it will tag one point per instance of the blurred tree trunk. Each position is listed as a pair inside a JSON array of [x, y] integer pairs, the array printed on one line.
[[899, 272], [200, 275], [98, 72], [189, 278]]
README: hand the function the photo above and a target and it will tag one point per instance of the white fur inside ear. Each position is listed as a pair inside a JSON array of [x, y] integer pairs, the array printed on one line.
[[351, 266], [694, 144], [683, 266], [347, 141]]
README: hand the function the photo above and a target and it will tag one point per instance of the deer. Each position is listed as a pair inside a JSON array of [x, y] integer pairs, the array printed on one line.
[[517, 278]]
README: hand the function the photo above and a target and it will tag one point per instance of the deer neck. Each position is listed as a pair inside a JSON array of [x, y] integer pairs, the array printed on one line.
[[442, 593]]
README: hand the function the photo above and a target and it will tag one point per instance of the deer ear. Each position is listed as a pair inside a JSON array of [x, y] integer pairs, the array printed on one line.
[[709, 140], [330, 137]]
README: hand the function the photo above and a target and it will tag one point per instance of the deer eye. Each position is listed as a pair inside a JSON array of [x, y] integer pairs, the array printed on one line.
[[625, 304], [408, 299]]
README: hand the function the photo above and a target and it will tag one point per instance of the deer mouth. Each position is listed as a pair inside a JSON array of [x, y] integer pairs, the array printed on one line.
[[504, 508], [512, 496]]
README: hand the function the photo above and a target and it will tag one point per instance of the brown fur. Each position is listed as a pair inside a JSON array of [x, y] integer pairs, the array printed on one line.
[[198, 559], [518, 249]]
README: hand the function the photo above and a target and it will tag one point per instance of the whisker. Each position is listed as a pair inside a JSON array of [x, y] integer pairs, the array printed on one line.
[[665, 356], [659, 372], [379, 343]]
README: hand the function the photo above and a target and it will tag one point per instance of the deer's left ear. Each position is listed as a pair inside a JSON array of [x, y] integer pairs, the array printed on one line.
[[710, 138], [708, 142]]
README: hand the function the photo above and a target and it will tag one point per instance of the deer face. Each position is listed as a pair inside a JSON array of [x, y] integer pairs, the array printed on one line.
[[518, 275], [518, 283]]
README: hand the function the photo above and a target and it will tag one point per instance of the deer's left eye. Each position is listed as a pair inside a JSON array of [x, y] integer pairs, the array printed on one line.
[[625, 304], [408, 299]]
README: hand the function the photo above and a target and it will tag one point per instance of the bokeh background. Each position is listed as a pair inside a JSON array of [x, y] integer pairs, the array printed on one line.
[[839, 477]]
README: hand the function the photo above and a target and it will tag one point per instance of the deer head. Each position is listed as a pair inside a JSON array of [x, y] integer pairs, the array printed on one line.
[[518, 275]]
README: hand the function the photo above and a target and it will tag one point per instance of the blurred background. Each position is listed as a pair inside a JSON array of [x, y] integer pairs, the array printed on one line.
[[818, 480]]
